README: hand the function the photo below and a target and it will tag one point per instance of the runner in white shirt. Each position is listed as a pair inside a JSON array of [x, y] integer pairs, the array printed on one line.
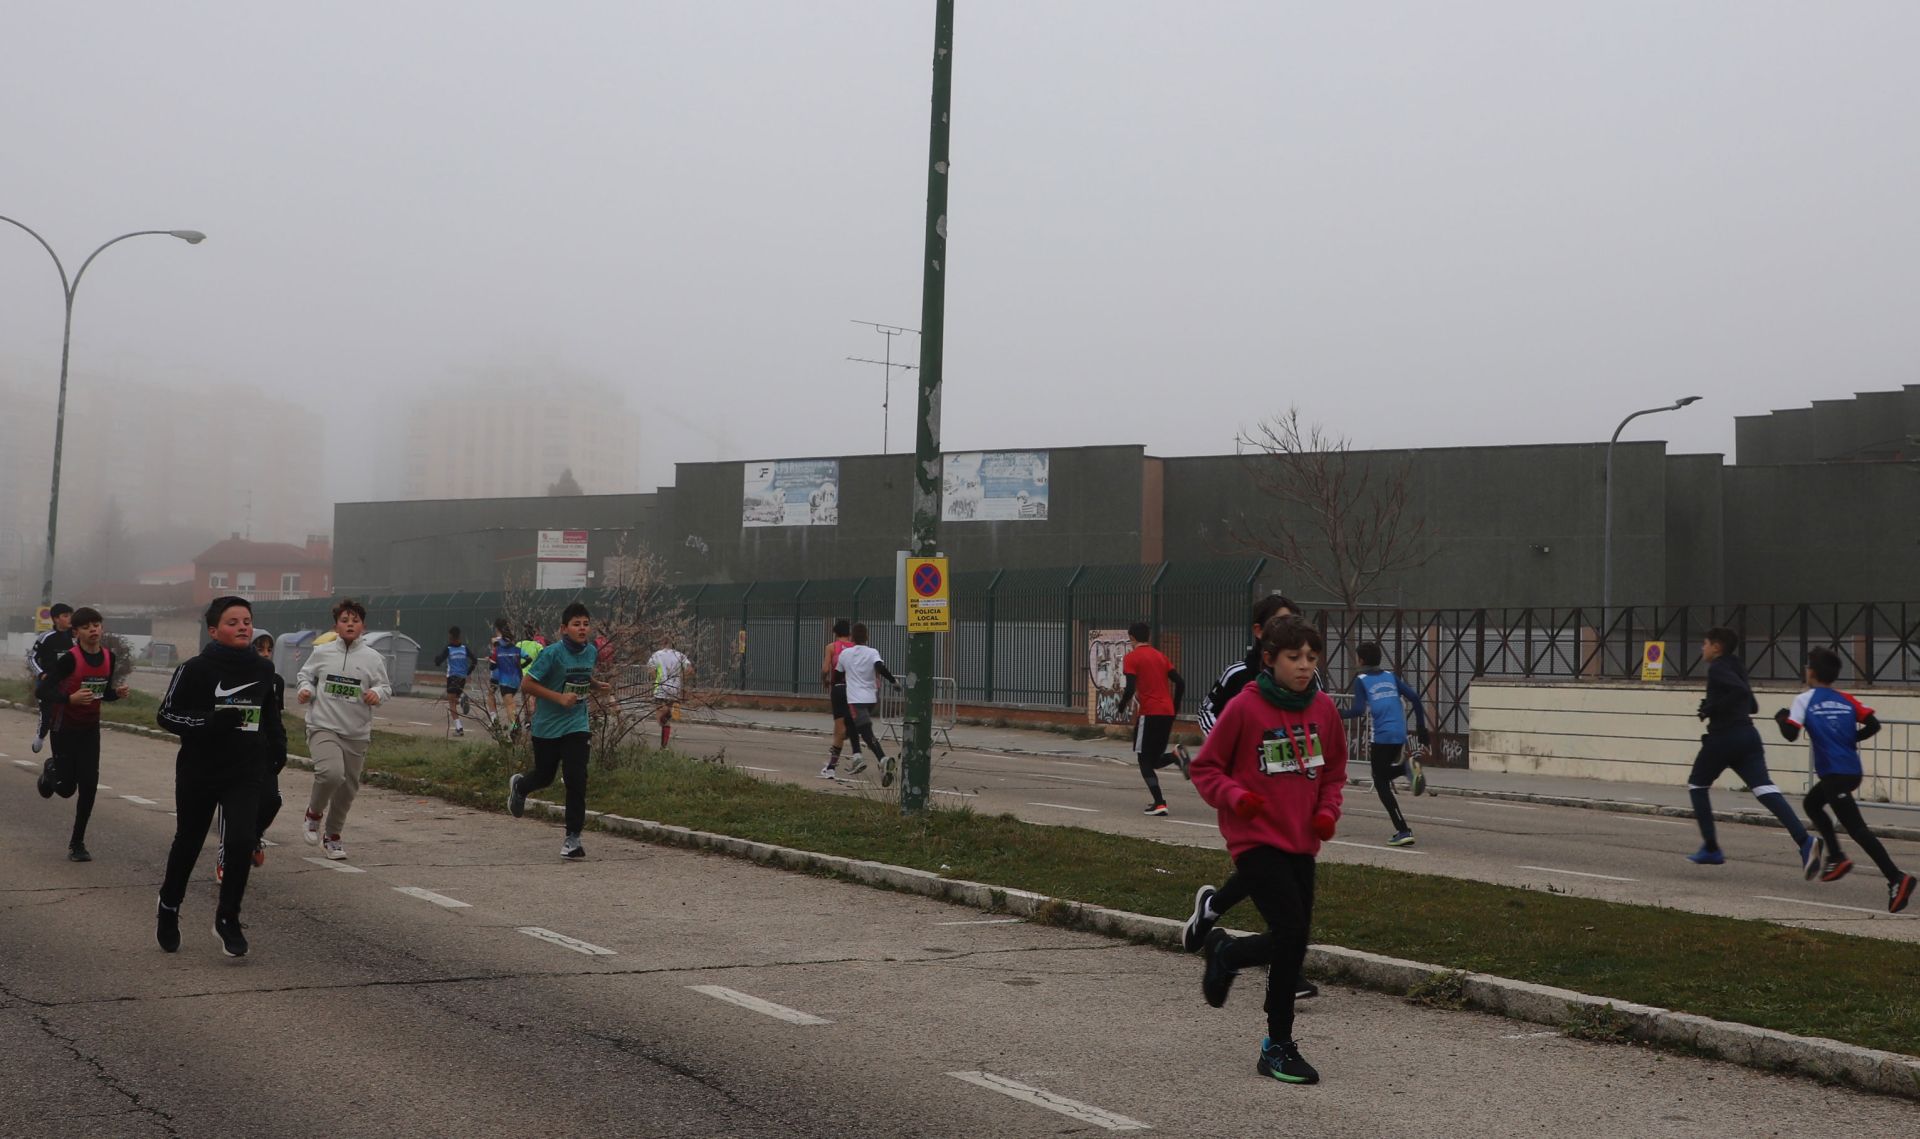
[[672, 676], [863, 668]]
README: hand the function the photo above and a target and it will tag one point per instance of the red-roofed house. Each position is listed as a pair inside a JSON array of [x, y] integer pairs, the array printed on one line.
[[264, 571]]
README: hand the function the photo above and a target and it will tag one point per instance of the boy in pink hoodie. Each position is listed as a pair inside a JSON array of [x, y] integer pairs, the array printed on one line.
[[1274, 767]]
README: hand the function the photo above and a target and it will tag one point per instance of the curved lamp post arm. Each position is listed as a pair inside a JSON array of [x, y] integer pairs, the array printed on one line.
[[190, 236], [1606, 523], [31, 232]]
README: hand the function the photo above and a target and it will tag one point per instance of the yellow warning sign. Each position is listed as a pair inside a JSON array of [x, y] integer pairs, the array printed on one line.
[[1653, 661], [928, 607]]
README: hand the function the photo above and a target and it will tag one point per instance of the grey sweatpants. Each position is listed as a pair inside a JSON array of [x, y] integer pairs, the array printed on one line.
[[337, 764]]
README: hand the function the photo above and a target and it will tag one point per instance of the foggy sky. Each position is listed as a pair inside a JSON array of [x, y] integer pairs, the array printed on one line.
[[1493, 222]]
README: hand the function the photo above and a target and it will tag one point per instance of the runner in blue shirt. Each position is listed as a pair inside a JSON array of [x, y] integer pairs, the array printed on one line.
[[459, 661], [1377, 693], [505, 661]]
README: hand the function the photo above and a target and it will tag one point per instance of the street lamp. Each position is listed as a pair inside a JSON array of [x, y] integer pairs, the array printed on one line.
[[68, 288], [1606, 541]]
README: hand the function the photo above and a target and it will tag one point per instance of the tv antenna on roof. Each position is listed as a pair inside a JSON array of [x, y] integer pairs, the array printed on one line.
[[886, 392]]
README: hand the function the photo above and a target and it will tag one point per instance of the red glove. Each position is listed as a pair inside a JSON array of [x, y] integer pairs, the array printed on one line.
[[1323, 825], [1249, 805]]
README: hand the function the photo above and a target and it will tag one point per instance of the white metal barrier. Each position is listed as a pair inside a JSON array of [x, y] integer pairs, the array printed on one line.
[[946, 710], [1892, 771]]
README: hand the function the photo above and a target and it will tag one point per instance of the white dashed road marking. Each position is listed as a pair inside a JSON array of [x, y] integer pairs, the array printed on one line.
[[768, 770], [565, 942], [1511, 806], [1576, 873], [25, 764], [1409, 814], [440, 900], [1064, 807], [1040, 1097], [335, 864], [1185, 823], [1661, 822], [1375, 846], [984, 921], [755, 1004], [138, 801], [1072, 779], [1830, 906]]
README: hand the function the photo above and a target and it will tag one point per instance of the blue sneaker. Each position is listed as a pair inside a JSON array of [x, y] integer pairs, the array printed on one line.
[[1401, 838], [1283, 1062], [1706, 857], [1810, 852]]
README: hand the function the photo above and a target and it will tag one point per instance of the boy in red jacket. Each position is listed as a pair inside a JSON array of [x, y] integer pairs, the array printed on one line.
[[1274, 767]]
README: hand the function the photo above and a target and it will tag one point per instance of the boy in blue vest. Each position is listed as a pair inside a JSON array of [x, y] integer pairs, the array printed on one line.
[[459, 661], [1836, 724], [1377, 693]]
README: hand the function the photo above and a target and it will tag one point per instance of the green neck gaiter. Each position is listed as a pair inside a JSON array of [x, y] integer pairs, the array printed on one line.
[[1284, 698]]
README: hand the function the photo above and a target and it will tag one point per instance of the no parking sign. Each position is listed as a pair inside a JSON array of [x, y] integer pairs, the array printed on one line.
[[1653, 661], [928, 610]]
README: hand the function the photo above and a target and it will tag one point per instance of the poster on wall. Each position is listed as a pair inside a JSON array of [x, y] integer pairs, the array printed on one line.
[[791, 492], [1106, 683], [995, 486], [560, 559]]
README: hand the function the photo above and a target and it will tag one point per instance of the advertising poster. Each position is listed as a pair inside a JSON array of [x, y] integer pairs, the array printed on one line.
[[995, 486], [561, 559], [1106, 652], [791, 492]]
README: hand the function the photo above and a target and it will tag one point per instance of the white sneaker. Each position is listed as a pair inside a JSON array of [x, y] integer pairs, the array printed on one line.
[[37, 741], [571, 849], [336, 850], [858, 765], [312, 831], [828, 773]]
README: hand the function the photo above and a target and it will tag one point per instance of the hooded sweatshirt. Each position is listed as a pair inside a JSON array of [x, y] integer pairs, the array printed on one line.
[[338, 676], [1258, 747], [225, 707], [1729, 704]]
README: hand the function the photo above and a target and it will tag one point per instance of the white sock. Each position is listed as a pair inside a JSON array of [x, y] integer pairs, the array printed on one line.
[[457, 725]]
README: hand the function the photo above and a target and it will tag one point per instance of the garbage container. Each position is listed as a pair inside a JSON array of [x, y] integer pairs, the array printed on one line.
[[290, 654], [402, 654]]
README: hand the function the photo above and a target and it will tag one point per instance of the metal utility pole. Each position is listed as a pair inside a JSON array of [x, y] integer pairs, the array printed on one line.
[[887, 365], [917, 762]]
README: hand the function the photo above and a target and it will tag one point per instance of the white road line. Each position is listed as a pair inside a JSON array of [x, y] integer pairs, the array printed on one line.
[[565, 942], [1185, 823], [1040, 1097], [768, 770], [985, 921], [440, 900], [101, 787], [1830, 906], [1064, 807], [138, 801], [1511, 806], [25, 764], [1029, 759], [962, 794], [1661, 822], [1376, 846], [1072, 779], [755, 1004], [1409, 814], [1576, 873], [334, 864], [1527, 1035], [420, 723]]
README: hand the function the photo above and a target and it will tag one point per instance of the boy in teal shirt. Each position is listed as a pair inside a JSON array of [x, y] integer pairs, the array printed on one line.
[[559, 682]]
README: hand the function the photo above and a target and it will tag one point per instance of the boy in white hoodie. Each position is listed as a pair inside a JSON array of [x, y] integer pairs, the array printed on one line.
[[342, 682]]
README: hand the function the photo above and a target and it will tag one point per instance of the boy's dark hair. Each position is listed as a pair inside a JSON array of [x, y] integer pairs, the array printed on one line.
[[349, 605], [453, 633], [1283, 633], [841, 628], [1139, 630], [576, 609], [533, 631], [859, 633], [220, 606], [1727, 639], [264, 638], [59, 609], [87, 615], [1369, 654], [1265, 608], [1823, 663], [501, 626]]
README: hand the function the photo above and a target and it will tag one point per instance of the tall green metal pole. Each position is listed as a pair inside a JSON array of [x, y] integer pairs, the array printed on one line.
[[917, 768]]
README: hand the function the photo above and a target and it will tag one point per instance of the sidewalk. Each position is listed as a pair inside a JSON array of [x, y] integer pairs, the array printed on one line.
[[1730, 805]]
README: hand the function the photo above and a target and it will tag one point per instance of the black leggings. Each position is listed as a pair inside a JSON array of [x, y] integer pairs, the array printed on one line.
[[1386, 765], [263, 816], [76, 768], [1281, 886], [567, 757], [1837, 791], [860, 727], [198, 791]]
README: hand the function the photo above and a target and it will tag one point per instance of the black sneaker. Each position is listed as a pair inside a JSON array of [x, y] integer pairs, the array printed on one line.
[[1194, 934], [232, 942], [888, 767], [1181, 757], [44, 784], [77, 852], [1283, 1062], [1218, 977], [1159, 809], [571, 850], [516, 798], [167, 929], [1304, 990]]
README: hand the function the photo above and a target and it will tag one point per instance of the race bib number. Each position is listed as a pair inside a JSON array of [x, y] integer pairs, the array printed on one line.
[[96, 685], [342, 687], [1291, 753], [249, 715], [579, 683]]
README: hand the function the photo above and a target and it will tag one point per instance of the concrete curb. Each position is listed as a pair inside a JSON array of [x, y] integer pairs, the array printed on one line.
[[1579, 1014]]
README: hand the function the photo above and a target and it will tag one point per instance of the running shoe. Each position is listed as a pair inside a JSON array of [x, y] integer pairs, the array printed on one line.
[[1304, 989], [858, 765], [1194, 934], [1185, 761], [233, 943], [571, 849], [1810, 852], [312, 831], [466, 705], [260, 853], [1706, 856], [1836, 869], [1899, 893], [1401, 838], [1218, 976], [336, 850], [828, 772], [167, 931], [219, 871], [37, 741], [1156, 809], [1283, 1062], [1416, 776], [44, 784], [516, 798], [888, 767], [77, 852], [459, 729]]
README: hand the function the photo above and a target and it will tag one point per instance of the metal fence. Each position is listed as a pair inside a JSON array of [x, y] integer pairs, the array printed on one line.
[[1020, 636]]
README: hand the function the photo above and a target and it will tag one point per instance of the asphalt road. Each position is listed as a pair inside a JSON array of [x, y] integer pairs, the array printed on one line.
[[1602, 854], [457, 978]]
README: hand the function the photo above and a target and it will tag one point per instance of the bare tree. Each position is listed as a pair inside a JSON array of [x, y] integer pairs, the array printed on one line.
[[1335, 519]]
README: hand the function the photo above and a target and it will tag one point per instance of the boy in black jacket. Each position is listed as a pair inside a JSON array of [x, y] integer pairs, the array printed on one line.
[[1732, 742], [226, 710]]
